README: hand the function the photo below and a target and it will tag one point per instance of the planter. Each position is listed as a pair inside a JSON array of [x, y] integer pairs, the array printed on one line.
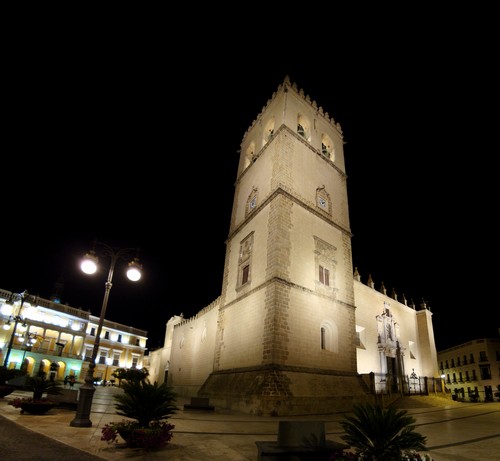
[[6, 390], [34, 408], [156, 436]]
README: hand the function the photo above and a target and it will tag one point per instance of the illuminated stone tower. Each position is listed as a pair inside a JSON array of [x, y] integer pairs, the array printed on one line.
[[285, 339]]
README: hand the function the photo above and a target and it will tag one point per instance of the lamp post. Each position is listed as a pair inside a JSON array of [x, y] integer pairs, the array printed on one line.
[[17, 319], [89, 266]]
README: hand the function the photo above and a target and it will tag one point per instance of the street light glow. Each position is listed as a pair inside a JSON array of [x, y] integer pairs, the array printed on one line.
[[134, 271], [89, 263]]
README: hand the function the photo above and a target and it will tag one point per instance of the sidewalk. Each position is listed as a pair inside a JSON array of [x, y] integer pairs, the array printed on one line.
[[455, 431]]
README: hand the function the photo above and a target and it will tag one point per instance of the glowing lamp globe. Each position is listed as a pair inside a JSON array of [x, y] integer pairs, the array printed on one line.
[[89, 263]]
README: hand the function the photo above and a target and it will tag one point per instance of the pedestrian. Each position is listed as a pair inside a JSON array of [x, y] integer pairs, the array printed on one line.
[[66, 380], [71, 381]]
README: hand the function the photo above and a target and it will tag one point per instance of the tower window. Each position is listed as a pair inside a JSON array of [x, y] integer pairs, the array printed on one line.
[[300, 130], [327, 147], [245, 261], [325, 264], [244, 274], [324, 276]]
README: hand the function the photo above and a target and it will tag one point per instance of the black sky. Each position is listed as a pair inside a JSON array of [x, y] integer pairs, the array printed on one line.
[[133, 140]]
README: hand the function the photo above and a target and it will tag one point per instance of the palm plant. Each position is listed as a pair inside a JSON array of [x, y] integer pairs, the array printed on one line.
[[39, 384], [148, 405], [145, 402], [378, 434]]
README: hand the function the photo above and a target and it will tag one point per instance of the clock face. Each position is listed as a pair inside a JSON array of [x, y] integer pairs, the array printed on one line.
[[322, 202]]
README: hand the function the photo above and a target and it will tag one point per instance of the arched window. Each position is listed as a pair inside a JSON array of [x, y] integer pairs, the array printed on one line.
[[269, 131], [329, 336], [303, 127], [327, 149]]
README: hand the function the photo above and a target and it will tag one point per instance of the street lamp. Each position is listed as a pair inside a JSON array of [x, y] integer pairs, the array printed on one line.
[[16, 319], [89, 266]]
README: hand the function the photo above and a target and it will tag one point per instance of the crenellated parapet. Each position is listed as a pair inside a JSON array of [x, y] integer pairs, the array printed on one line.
[[212, 305], [286, 86]]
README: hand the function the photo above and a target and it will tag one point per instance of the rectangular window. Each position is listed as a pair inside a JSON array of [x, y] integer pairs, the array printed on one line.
[[323, 339], [119, 338], [88, 354], [485, 372], [244, 275], [92, 331], [324, 276]]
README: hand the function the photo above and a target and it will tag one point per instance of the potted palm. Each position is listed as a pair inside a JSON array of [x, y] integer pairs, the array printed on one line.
[[37, 405], [375, 433], [147, 405]]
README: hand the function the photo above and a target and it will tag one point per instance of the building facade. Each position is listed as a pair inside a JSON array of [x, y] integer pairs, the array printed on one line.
[[294, 329], [471, 370], [59, 339]]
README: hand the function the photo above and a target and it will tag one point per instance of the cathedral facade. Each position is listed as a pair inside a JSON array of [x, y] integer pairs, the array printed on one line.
[[294, 331]]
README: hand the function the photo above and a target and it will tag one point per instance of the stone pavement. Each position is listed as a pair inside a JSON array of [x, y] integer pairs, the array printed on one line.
[[454, 430]]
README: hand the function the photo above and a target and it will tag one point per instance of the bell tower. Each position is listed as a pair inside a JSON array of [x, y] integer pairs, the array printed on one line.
[[286, 337]]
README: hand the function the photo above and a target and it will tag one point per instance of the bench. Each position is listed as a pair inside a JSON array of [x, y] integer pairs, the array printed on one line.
[[303, 440], [68, 397], [199, 403]]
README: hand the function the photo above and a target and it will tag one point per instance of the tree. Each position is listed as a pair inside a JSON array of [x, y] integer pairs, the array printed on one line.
[[130, 374], [379, 434]]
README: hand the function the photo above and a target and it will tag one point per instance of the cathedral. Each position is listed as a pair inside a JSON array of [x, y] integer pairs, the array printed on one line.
[[295, 330]]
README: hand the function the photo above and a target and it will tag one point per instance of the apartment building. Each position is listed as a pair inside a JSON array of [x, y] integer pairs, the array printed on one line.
[[38, 334], [471, 371]]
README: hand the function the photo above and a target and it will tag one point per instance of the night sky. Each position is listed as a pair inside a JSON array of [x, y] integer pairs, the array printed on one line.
[[134, 142]]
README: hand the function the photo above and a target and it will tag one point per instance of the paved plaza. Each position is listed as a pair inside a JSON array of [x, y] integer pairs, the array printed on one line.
[[455, 431]]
